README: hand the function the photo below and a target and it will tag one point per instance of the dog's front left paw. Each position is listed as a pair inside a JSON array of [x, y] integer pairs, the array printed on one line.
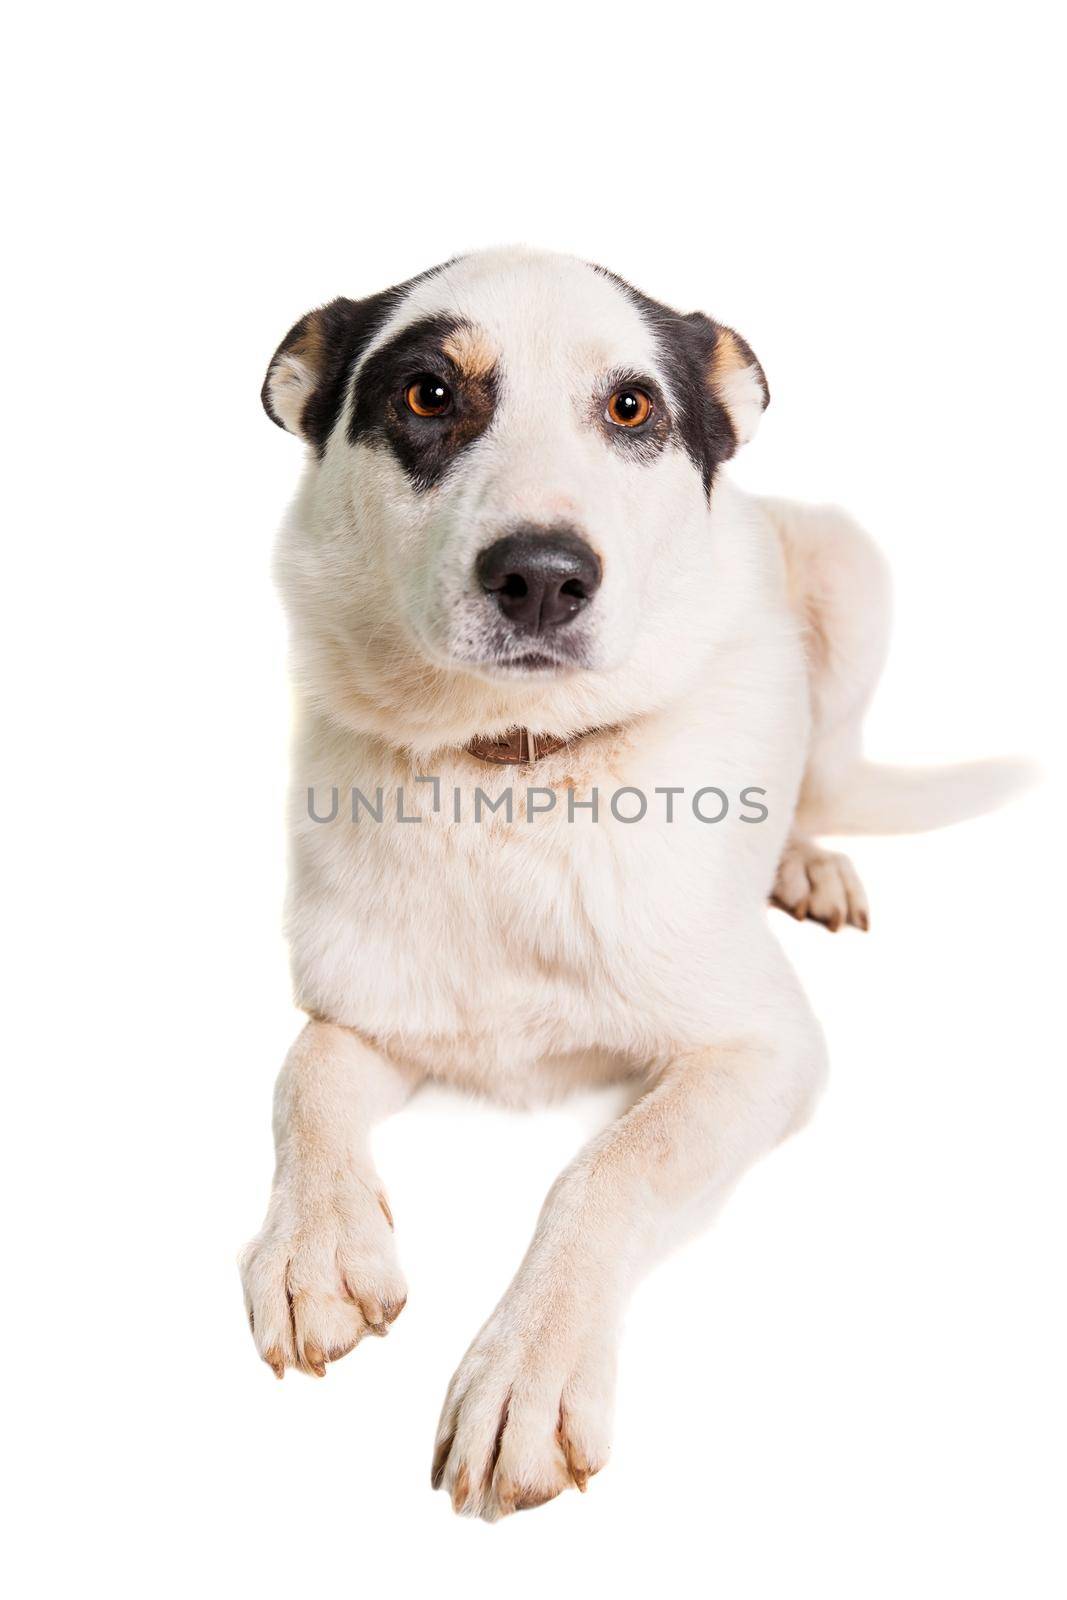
[[528, 1414], [321, 1275]]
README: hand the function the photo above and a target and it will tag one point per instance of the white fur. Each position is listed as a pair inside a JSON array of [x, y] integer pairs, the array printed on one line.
[[290, 385], [741, 392], [731, 644]]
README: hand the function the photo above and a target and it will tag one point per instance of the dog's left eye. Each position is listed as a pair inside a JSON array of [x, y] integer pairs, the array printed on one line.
[[427, 396], [628, 408]]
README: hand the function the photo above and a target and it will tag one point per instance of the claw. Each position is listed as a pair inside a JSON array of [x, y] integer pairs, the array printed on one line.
[[315, 1360], [275, 1361], [460, 1489], [440, 1462]]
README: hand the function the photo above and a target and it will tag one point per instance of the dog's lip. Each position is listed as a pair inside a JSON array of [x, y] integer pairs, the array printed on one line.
[[528, 661]]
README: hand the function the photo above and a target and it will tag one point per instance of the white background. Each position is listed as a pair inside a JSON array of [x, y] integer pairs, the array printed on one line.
[[853, 1385]]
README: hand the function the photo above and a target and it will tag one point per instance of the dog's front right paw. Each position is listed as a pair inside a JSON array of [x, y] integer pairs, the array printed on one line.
[[320, 1275]]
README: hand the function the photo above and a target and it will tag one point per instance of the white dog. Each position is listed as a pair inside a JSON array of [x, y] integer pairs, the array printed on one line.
[[571, 710]]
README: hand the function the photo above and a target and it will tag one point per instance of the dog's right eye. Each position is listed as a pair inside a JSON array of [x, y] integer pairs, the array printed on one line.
[[427, 396]]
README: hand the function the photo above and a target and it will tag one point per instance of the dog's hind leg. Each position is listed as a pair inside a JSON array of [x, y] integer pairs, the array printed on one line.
[[839, 589], [819, 884], [322, 1271]]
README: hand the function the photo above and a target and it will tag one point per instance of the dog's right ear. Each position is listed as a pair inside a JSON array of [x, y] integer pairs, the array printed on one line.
[[303, 389], [305, 386]]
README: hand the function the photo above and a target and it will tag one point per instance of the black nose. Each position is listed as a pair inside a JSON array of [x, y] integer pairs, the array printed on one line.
[[539, 577]]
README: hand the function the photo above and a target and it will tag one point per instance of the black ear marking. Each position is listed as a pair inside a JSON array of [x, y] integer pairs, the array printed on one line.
[[307, 379], [305, 384]]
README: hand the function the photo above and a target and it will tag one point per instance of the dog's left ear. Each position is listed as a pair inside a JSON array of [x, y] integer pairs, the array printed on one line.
[[738, 383]]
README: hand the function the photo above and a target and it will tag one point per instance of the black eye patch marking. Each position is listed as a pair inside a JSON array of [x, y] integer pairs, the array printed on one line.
[[644, 442], [446, 349]]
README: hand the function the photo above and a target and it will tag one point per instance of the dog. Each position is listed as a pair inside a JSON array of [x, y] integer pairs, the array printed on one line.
[[616, 700]]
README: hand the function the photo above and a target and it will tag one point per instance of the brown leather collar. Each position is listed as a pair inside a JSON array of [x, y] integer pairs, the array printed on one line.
[[519, 748]]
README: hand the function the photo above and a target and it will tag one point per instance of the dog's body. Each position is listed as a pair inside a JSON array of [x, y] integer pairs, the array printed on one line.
[[703, 641]]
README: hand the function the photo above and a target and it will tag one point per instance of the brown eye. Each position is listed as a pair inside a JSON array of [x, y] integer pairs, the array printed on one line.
[[628, 408], [428, 396]]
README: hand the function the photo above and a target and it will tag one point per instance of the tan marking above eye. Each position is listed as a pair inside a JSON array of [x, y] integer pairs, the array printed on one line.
[[428, 396], [629, 408], [471, 351]]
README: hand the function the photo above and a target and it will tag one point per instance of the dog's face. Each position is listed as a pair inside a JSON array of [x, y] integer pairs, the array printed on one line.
[[506, 519]]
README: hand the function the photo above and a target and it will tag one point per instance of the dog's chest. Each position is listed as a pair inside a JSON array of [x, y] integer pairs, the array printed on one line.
[[482, 947]]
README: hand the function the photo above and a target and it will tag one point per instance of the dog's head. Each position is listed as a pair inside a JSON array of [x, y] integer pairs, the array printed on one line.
[[506, 517]]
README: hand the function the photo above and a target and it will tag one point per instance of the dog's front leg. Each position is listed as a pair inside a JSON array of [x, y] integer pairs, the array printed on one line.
[[528, 1412], [323, 1271]]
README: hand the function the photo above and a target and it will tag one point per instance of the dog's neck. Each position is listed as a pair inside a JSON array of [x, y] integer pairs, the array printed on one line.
[[520, 748]]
